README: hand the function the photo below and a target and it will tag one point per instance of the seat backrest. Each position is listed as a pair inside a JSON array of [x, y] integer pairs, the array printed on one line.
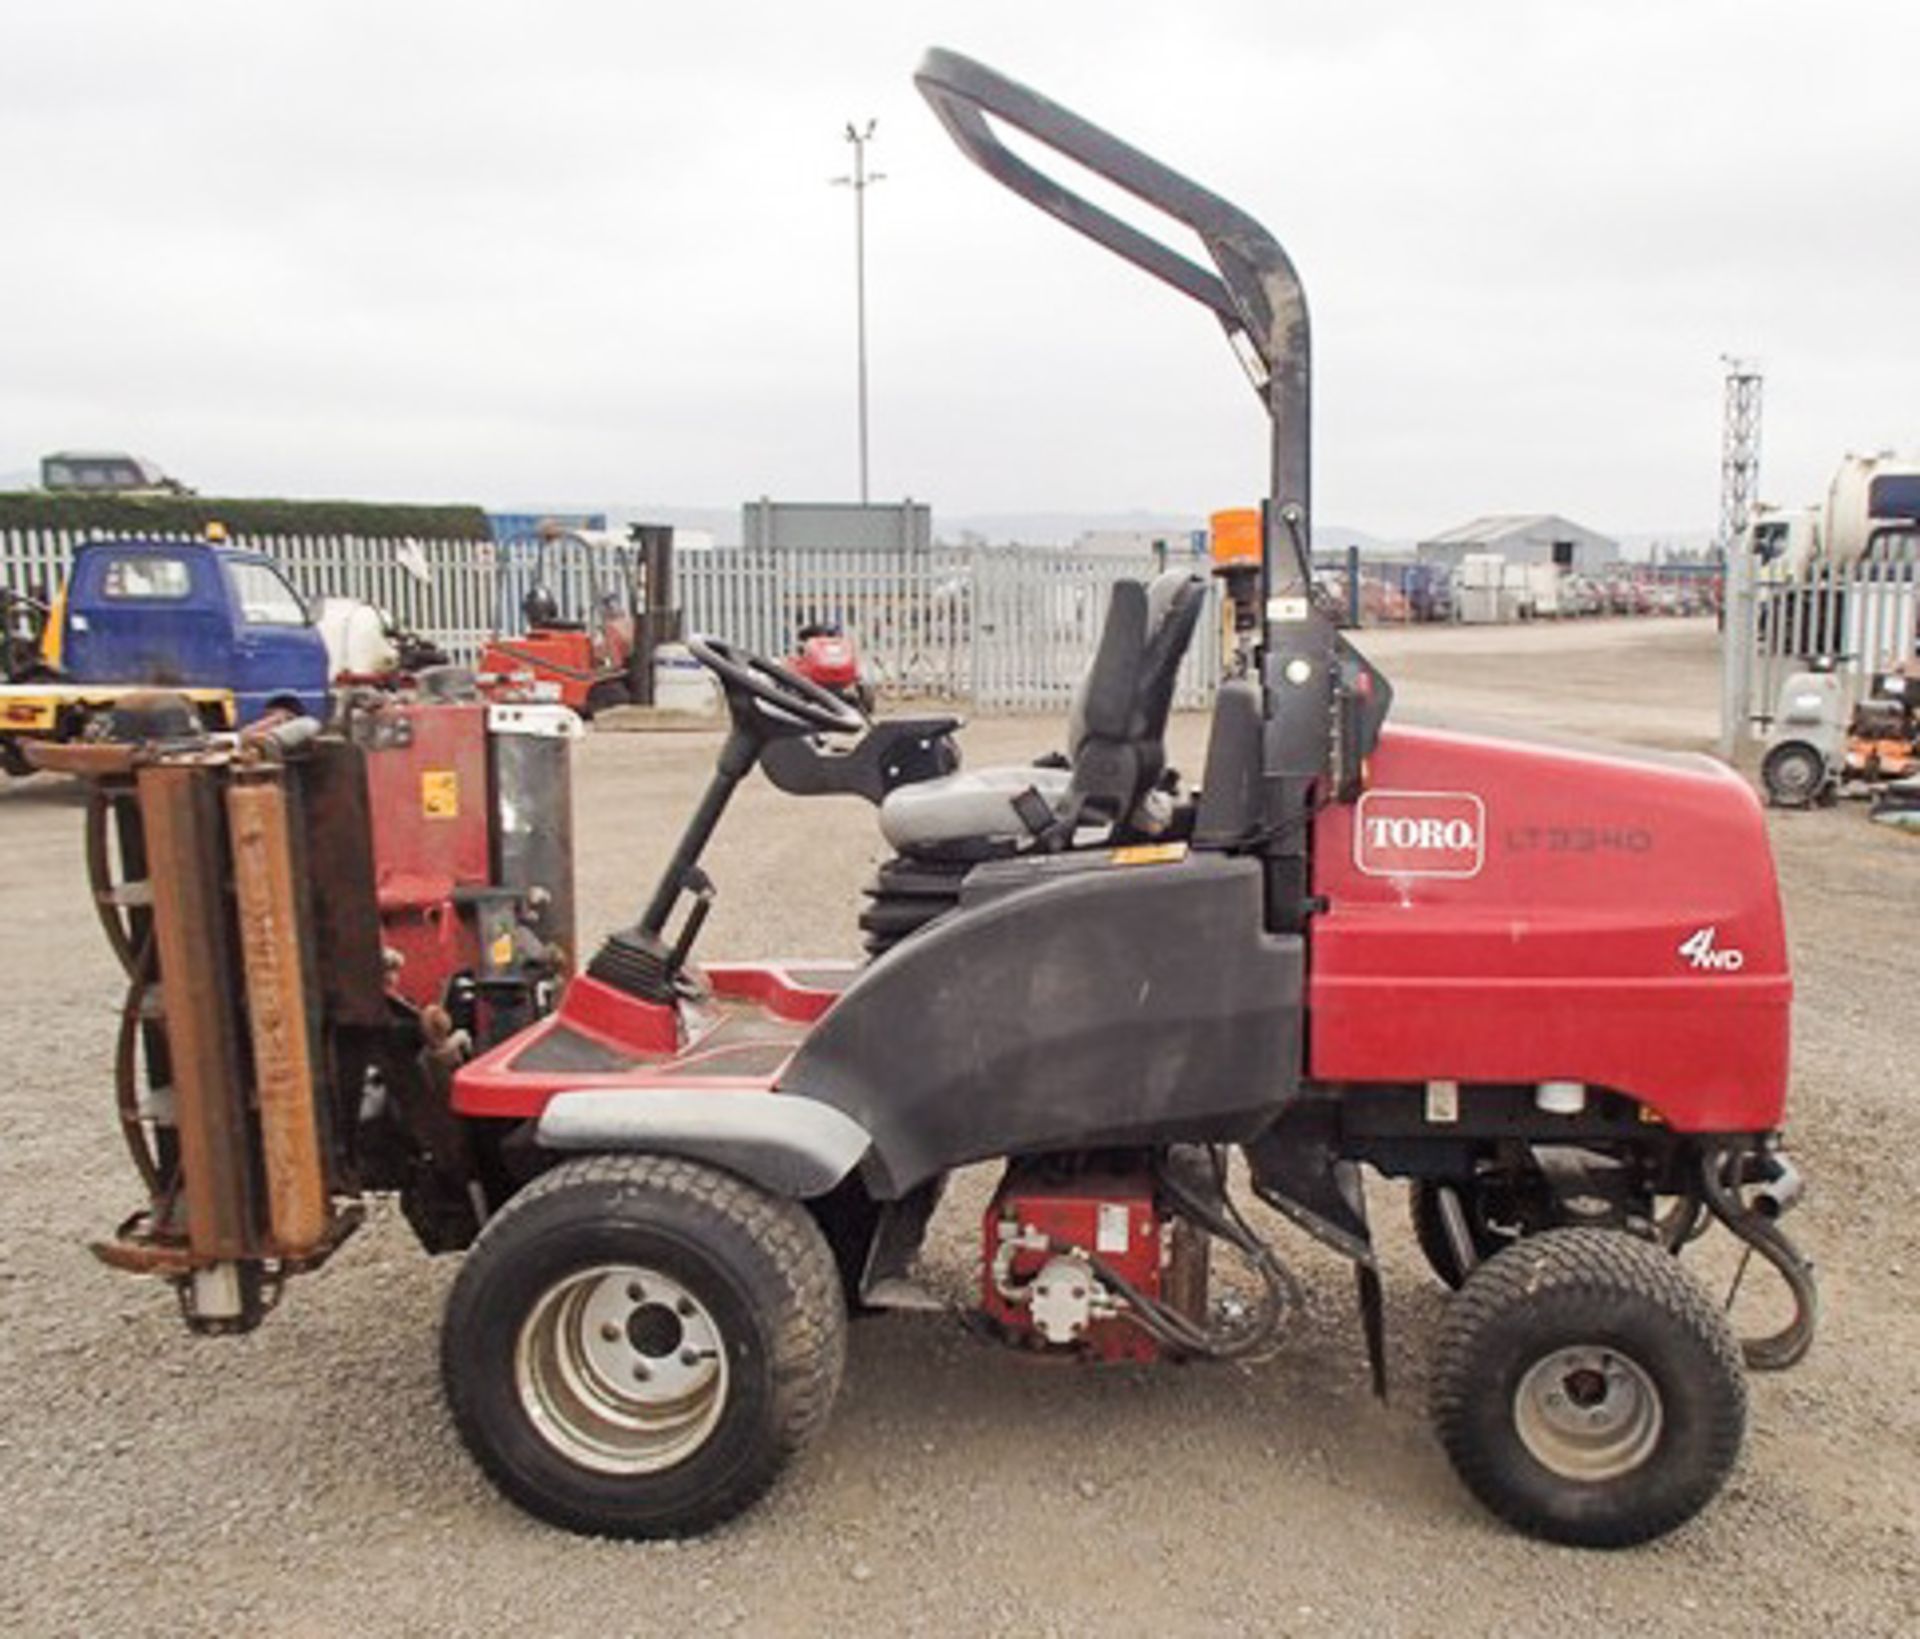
[[1175, 602], [1116, 731], [1230, 787]]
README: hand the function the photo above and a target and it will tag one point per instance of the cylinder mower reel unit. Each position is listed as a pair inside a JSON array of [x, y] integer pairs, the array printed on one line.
[[1350, 945], [315, 926], [1807, 748]]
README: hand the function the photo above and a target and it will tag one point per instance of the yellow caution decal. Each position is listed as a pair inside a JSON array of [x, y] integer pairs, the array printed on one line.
[[440, 793], [1148, 853], [17, 714]]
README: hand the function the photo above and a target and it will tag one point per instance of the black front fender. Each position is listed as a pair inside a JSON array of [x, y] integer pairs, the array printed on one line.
[[796, 1147]]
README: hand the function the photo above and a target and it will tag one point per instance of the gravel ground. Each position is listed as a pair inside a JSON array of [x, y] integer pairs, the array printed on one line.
[[305, 1479]]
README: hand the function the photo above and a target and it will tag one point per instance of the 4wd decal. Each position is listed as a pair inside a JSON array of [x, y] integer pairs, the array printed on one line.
[[1701, 951], [1420, 833]]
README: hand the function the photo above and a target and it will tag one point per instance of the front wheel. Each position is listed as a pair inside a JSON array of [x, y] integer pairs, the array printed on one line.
[[637, 1345], [1586, 1390]]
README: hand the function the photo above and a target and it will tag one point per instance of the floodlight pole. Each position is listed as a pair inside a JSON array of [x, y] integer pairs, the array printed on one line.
[[1739, 611], [860, 181]]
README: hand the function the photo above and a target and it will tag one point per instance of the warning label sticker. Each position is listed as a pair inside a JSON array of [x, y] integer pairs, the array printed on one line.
[[439, 793]]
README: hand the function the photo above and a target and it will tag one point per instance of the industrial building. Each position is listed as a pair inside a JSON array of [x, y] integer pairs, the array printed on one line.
[[1524, 537]]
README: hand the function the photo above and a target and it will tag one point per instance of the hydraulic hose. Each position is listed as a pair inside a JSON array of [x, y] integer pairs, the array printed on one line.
[[1219, 1216], [1720, 1171], [134, 952]]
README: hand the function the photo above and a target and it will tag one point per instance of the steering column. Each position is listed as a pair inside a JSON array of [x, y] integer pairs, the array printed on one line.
[[765, 702]]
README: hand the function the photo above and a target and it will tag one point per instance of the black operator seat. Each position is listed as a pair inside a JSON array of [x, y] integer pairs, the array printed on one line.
[[1116, 734]]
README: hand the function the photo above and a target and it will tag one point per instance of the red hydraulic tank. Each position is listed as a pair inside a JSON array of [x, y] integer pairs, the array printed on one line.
[[427, 790]]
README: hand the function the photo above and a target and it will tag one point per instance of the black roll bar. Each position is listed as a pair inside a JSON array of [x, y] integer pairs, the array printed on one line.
[[1253, 291]]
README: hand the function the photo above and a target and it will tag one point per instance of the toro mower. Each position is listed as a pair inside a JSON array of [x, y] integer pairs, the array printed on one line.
[[1545, 986]]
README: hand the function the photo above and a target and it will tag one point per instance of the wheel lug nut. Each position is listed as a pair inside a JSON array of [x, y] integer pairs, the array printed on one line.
[[689, 1357], [635, 1290], [640, 1373], [609, 1331], [684, 1307]]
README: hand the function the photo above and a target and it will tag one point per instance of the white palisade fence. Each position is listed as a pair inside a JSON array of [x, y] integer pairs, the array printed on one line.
[[1003, 629]]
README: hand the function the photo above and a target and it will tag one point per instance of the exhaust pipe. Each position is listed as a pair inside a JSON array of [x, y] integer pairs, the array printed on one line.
[[1779, 1193]]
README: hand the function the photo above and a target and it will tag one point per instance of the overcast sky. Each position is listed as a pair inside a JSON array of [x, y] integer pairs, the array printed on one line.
[[583, 250]]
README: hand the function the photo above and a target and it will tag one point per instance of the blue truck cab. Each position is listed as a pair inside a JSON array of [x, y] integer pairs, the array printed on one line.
[[189, 614]]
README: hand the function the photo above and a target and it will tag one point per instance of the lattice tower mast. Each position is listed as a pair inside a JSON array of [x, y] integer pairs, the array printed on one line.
[[1739, 449]]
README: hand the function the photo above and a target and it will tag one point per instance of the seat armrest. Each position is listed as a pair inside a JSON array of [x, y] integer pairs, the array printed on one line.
[[933, 725], [895, 751]]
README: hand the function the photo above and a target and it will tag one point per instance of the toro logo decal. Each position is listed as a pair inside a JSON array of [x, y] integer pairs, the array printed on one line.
[[1420, 833]]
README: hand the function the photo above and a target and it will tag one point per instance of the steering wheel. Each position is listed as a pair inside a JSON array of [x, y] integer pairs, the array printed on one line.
[[777, 701]]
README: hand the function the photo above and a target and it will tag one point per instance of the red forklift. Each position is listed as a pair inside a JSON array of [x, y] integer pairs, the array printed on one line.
[[1546, 987], [593, 612]]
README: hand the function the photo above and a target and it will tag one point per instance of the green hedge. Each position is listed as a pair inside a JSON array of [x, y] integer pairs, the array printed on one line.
[[190, 514]]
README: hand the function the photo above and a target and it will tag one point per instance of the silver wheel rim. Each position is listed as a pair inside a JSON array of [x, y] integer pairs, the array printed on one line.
[[621, 1369], [1588, 1413], [1795, 773]]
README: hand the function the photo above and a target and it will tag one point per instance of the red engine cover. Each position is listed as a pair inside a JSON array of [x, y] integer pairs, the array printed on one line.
[[831, 661], [427, 789], [1110, 1215], [1514, 911]]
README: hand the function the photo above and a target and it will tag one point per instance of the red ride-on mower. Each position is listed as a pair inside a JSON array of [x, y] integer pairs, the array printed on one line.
[[827, 655], [1546, 986]]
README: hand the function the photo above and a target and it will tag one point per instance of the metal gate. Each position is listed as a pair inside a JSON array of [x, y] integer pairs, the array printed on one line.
[[1860, 617]]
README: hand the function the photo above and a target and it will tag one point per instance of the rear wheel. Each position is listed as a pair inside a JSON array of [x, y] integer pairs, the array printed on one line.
[[1490, 1210], [603, 695], [637, 1346], [1586, 1390], [1501, 1209]]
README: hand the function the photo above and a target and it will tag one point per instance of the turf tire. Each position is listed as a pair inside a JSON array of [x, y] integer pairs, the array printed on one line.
[[1588, 1288], [758, 1263]]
